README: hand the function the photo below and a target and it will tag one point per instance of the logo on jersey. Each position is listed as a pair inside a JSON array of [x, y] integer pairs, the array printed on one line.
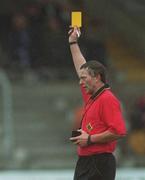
[[89, 127]]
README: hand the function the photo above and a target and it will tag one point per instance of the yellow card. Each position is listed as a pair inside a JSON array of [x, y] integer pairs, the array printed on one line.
[[76, 19]]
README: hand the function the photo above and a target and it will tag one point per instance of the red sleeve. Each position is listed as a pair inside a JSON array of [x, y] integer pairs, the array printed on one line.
[[85, 96], [112, 116]]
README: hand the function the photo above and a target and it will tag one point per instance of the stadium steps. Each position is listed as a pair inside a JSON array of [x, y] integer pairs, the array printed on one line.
[[42, 116], [131, 68]]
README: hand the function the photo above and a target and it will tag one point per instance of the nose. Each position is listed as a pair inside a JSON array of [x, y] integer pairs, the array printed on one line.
[[80, 82]]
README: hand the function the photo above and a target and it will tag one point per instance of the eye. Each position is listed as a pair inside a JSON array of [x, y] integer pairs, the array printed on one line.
[[82, 78]]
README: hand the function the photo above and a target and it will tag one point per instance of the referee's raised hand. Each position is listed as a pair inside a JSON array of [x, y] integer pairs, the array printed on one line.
[[74, 33]]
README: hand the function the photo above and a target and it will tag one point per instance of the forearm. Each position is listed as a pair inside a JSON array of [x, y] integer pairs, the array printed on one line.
[[78, 58], [104, 137]]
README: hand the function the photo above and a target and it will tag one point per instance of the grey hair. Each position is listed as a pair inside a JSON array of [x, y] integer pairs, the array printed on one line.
[[95, 68]]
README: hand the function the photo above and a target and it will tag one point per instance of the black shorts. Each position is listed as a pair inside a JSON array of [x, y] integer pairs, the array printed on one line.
[[96, 167]]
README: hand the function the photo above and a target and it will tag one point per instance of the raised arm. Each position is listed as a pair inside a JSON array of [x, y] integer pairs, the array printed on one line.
[[77, 56]]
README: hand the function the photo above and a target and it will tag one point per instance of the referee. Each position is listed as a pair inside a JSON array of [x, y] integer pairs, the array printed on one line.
[[102, 121]]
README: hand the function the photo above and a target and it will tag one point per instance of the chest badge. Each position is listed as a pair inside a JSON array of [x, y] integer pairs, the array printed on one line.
[[89, 127]]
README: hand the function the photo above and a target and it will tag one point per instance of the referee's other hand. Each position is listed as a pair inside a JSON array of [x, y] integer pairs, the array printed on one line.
[[80, 140]]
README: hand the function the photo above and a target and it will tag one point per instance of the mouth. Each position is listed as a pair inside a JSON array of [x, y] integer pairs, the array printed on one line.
[[85, 87]]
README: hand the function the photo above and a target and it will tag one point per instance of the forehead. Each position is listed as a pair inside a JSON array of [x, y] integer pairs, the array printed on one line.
[[83, 72]]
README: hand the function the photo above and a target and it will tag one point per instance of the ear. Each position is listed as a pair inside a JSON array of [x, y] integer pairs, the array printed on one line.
[[98, 77]]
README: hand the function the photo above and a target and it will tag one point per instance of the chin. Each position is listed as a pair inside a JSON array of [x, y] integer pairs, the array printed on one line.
[[88, 92]]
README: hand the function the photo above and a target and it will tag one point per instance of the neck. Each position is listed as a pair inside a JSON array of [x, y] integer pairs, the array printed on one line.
[[99, 90], [99, 85]]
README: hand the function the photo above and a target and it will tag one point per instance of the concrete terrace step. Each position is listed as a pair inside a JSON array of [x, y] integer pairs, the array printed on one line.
[[131, 67], [42, 120]]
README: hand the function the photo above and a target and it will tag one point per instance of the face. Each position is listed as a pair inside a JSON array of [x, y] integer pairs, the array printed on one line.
[[87, 81]]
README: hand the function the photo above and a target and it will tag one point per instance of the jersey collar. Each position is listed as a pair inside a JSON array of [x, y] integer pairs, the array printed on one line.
[[102, 89]]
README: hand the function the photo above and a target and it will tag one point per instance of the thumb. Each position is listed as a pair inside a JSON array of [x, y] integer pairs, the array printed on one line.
[[80, 130]]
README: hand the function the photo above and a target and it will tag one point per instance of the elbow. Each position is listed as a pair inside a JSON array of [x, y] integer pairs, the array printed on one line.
[[123, 135]]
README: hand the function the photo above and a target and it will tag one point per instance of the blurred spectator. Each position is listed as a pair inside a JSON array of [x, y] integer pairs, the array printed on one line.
[[57, 18], [136, 137], [77, 5], [20, 42], [95, 41], [40, 30], [138, 114], [36, 16], [58, 10]]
